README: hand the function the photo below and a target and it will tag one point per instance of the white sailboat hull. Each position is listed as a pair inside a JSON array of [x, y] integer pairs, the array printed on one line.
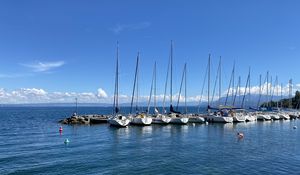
[[119, 121], [284, 116], [141, 121], [219, 119], [196, 119], [161, 119], [239, 118], [179, 120], [263, 117], [250, 118], [274, 116]]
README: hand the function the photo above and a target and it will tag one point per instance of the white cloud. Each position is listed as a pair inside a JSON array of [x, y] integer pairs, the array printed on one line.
[[272, 90], [37, 95], [101, 93], [44, 66], [117, 29]]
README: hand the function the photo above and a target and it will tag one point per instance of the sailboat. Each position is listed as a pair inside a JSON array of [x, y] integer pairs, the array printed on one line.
[[260, 115], [192, 118], [239, 115], [140, 118], [157, 118], [222, 115], [272, 113], [117, 119], [176, 117]]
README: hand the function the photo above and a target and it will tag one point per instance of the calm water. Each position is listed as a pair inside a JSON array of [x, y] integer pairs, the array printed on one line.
[[31, 144]]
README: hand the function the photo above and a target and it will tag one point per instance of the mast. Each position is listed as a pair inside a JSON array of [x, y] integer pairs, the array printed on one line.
[[239, 90], [242, 105], [230, 83], [171, 93], [185, 90], [268, 89], [134, 83], [220, 69], [208, 84], [116, 93], [216, 81], [236, 92], [271, 92], [249, 100], [290, 93], [155, 86], [203, 85], [233, 73], [76, 106], [166, 85], [137, 84], [182, 78], [281, 96], [152, 82], [277, 92], [260, 91]]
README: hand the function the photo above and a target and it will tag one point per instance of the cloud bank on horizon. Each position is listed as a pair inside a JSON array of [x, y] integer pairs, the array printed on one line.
[[36, 95]]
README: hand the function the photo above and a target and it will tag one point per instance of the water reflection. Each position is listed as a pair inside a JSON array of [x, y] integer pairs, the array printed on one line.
[[178, 129]]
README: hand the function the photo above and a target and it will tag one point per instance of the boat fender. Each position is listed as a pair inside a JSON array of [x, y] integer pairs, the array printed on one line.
[[206, 123]]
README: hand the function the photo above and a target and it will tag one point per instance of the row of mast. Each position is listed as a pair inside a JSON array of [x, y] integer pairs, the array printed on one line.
[[208, 72]]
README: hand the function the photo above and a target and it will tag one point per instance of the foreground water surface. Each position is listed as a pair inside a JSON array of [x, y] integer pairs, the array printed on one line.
[[31, 144]]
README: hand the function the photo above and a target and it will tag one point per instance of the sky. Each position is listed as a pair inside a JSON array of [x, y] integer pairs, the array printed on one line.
[[56, 50]]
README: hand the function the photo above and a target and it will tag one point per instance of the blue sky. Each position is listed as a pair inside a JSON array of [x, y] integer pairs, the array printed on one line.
[[69, 46]]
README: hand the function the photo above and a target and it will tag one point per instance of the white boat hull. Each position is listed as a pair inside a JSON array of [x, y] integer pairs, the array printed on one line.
[[118, 121], [250, 118], [196, 119], [263, 117], [284, 116], [238, 118], [141, 121], [161, 119], [219, 119], [274, 116], [179, 120]]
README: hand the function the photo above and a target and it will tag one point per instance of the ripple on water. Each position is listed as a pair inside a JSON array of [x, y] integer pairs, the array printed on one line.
[[36, 147]]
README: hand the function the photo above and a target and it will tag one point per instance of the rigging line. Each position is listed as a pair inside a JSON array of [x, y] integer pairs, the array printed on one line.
[[216, 80], [230, 82], [199, 103], [183, 74], [134, 84], [166, 85], [261, 91], [242, 105], [148, 108]]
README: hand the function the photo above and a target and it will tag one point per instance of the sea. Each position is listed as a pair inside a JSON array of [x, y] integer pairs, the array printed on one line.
[[30, 143]]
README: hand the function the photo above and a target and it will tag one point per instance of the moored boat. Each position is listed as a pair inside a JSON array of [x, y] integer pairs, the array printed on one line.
[[160, 119], [196, 119], [141, 119], [219, 119], [178, 118], [263, 117], [117, 119]]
